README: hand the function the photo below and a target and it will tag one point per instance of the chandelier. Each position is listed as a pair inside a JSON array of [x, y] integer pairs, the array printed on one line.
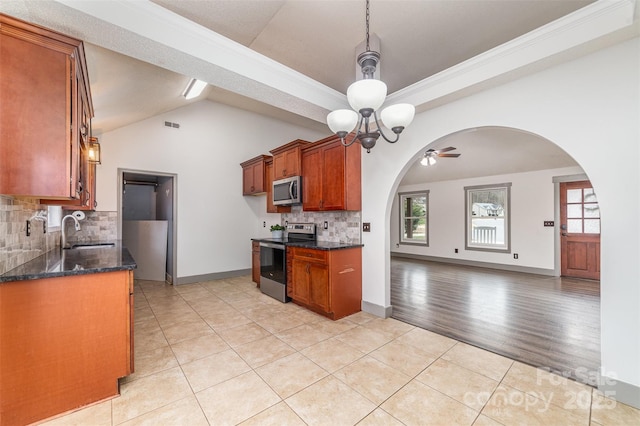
[[366, 96]]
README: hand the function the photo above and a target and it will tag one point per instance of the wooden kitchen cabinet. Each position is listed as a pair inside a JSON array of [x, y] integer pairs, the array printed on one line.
[[87, 179], [255, 262], [253, 175], [326, 281], [45, 111], [331, 176], [65, 342], [268, 173], [287, 159]]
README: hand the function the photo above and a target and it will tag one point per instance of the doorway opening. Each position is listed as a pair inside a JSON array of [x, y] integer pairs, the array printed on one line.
[[513, 302], [147, 212]]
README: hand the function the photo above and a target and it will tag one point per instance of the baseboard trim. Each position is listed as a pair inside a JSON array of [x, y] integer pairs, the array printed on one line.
[[209, 277], [499, 266], [620, 391], [377, 310]]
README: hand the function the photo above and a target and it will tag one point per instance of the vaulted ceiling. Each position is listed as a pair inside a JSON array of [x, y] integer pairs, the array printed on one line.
[[294, 59]]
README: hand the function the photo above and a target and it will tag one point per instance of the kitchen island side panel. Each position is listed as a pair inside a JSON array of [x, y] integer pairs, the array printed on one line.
[[63, 343]]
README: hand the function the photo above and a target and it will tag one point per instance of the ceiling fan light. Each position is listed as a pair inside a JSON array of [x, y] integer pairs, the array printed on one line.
[[428, 160], [398, 115], [368, 93], [342, 120]]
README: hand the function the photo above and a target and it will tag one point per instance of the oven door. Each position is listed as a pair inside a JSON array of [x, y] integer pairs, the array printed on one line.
[[273, 271]]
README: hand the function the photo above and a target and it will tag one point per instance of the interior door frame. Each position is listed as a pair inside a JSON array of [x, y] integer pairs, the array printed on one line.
[[174, 201], [557, 244]]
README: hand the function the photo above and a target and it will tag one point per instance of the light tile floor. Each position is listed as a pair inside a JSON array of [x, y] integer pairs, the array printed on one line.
[[222, 353]]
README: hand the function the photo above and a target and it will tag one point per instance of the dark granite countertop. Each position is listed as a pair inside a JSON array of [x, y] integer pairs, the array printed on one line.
[[318, 245], [60, 263]]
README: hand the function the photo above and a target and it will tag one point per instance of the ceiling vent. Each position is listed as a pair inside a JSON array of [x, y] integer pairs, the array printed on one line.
[[170, 124]]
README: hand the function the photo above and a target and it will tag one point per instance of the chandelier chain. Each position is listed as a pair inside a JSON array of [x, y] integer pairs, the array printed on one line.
[[367, 24]]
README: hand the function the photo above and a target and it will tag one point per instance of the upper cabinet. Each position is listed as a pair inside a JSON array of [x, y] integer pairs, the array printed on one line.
[[331, 176], [253, 175], [45, 113], [87, 179], [287, 158]]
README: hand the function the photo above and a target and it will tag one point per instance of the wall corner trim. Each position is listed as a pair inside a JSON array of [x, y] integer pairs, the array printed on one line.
[[620, 391], [377, 310]]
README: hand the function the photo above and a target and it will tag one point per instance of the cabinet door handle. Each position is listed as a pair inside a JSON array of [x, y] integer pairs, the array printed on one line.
[[284, 172]]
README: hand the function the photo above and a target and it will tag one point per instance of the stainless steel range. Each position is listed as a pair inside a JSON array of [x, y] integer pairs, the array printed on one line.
[[273, 259]]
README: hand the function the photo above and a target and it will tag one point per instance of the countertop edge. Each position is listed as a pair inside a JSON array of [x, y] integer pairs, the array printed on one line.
[[82, 262], [316, 245]]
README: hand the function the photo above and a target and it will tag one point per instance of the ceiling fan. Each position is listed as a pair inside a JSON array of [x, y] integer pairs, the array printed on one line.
[[430, 155]]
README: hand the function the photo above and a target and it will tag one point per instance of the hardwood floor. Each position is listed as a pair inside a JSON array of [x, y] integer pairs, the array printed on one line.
[[547, 322]]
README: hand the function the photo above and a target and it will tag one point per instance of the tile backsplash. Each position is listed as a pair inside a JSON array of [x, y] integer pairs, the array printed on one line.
[[343, 226], [17, 248], [96, 227]]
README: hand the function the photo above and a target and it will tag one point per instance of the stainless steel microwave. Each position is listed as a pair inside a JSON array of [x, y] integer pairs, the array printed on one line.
[[287, 191]]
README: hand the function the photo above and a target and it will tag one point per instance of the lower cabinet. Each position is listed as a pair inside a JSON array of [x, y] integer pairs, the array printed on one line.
[[255, 262], [65, 342], [326, 281]]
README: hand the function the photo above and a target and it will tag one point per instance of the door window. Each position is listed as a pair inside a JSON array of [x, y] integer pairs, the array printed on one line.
[[583, 212]]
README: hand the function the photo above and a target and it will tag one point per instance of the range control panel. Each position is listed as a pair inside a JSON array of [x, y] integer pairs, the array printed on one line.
[[301, 228]]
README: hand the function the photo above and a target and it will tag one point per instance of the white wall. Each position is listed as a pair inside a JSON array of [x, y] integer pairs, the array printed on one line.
[[590, 108], [532, 202], [215, 222]]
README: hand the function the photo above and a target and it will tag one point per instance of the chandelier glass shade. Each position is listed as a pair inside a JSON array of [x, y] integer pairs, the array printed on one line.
[[366, 96]]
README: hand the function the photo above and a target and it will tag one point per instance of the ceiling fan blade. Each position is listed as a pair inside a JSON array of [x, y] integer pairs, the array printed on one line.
[[449, 155], [450, 148]]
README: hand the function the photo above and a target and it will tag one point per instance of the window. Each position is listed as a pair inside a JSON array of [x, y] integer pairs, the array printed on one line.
[[414, 224], [488, 216], [54, 217]]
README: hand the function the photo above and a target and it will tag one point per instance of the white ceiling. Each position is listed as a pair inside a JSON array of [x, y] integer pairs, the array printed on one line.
[[141, 54], [489, 151]]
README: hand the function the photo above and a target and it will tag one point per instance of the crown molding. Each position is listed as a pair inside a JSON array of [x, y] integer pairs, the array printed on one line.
[[585, 25]]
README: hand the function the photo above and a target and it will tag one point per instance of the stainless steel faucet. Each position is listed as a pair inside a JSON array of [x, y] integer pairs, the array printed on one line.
[[64, 229]]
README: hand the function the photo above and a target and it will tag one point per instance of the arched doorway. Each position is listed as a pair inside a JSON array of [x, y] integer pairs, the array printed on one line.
[[525, 314]]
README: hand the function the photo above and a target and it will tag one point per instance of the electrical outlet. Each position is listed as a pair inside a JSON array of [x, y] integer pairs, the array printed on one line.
[[264, 224], [28, 228], [44, 227], [455, 250], [326, 225], [515, 255], [366, 227]]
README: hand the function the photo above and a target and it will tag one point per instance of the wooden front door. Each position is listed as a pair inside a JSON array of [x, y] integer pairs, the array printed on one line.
[[579, 231]]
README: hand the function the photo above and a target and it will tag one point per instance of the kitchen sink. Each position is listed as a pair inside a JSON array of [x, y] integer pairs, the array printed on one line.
[[91, 246]]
